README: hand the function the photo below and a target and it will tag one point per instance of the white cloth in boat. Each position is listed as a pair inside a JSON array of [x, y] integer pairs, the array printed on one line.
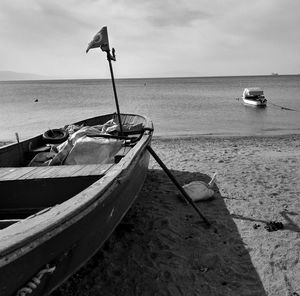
[[80, 148], [88, 150]]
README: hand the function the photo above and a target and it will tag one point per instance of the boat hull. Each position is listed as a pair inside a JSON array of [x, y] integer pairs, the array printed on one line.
[[255, 103], [90, 218]]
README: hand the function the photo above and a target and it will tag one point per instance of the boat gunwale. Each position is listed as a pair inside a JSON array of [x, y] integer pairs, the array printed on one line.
[[14, 145]]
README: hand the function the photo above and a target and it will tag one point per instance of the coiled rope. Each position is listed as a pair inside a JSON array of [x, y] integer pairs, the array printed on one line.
[[35, 281]]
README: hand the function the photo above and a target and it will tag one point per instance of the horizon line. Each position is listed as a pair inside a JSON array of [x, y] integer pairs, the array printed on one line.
[[158, 77]]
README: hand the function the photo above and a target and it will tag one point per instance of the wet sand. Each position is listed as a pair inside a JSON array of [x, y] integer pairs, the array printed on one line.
[[163, 248]]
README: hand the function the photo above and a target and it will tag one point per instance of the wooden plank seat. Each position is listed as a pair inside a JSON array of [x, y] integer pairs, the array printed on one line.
[[26, 190], [45, 172]]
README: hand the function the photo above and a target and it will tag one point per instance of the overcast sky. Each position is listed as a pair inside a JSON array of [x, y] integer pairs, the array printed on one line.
[[153, 38]]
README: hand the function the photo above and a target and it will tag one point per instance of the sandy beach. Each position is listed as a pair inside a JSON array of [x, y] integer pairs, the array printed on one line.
[[163, 248]]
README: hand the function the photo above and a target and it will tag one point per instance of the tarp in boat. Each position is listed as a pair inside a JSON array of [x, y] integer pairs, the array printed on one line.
[[88, 150], [81, 148], [84, 146]]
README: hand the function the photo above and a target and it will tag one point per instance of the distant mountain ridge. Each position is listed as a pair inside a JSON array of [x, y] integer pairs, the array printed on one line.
[[10, 75]]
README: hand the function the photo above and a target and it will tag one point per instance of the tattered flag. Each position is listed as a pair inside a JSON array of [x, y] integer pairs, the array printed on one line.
[[100, 40]]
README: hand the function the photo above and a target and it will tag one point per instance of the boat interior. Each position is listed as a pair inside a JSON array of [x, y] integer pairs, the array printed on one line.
[[27, 190]]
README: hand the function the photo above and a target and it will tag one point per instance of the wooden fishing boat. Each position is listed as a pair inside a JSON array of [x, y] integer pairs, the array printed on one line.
[[254, 96], [54, 218]]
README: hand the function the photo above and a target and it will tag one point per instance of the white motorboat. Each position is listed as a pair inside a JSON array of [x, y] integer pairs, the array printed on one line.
[[254, 96]]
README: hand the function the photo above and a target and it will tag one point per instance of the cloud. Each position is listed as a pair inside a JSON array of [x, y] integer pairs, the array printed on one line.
[[173, 14], [43, 19], [152, 38]]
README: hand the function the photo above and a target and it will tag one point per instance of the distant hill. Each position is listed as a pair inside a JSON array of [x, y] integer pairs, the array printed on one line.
[[10, 75]]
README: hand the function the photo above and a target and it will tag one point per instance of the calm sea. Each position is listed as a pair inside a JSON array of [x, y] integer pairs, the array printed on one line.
[[177, 106]]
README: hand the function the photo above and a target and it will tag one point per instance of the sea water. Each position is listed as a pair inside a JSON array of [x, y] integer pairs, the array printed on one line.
[[177, 106]]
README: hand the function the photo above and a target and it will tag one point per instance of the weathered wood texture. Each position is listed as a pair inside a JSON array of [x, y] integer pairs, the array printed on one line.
[[37, 187]]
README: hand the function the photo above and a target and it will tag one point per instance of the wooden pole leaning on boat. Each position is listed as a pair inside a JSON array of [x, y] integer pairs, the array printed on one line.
[[172, 178]]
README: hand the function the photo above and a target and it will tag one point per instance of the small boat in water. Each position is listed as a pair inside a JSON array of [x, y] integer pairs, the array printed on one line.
[[57, 209], [254, 96]]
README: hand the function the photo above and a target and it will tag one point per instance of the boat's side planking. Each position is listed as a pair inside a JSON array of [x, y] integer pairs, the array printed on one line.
[[70, 233]]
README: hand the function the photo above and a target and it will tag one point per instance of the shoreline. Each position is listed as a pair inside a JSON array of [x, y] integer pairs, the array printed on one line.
[[202, 136], [223, 136], [4, 143]]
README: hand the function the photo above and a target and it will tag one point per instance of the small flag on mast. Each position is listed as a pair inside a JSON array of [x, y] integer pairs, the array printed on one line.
[[100, 40]]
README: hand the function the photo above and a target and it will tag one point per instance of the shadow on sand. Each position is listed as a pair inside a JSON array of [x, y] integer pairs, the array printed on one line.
[[162, 248]]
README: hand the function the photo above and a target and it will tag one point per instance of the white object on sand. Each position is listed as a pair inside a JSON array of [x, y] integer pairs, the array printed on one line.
[[199, 190]]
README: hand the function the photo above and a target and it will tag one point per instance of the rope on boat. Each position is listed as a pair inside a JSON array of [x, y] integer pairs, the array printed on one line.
[[35, 281]]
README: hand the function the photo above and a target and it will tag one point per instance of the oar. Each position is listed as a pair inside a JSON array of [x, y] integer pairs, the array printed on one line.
[[172, 178]]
